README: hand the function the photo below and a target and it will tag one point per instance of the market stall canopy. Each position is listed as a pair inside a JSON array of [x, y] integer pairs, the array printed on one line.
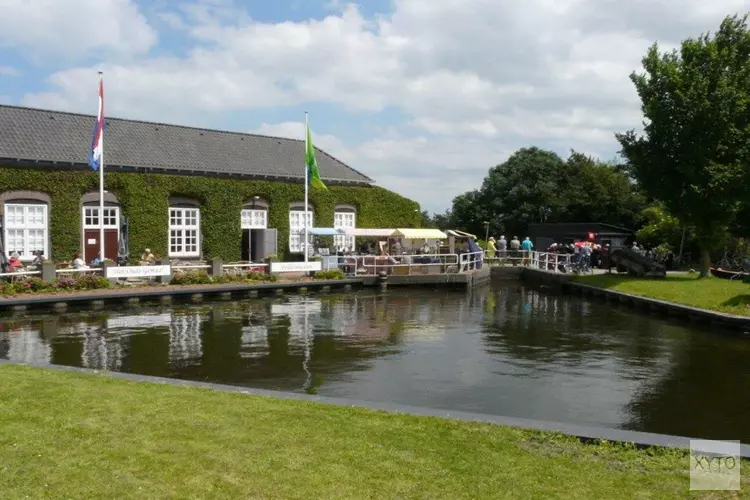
[[369, 232], [420, 234], [459, 234], [323, 231]]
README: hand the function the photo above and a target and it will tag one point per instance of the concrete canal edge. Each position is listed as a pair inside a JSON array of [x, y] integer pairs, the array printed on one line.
[[196, 293], [581, 432], [566, 284]]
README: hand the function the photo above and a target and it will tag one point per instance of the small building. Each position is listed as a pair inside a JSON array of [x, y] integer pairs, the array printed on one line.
[[543, 235], [184, 192]]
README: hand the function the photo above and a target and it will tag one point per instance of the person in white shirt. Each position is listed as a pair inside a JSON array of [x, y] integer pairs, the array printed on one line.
[[78, 262]]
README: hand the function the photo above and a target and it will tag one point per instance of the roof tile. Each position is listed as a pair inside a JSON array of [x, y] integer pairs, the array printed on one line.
[[30, 134]]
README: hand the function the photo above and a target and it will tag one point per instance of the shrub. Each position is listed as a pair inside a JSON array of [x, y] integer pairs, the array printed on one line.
[[192, 278], [333, 274], [255, 276], [272, 258], [91, 282]]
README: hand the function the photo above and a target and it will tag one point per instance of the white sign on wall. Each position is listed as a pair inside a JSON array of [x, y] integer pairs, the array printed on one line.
[[137, 271], [295, 267]]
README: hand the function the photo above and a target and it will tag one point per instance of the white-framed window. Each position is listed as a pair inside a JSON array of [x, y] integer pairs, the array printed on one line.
[[344, 220], [91, 217], [184, 232], [296, 229], [26, 229], [254, 218]]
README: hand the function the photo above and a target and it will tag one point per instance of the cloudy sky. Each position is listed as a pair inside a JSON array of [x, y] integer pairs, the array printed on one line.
[[422, 95]]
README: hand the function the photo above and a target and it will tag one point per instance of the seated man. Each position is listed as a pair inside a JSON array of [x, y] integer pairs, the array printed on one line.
[[14, 263], [147, 258]]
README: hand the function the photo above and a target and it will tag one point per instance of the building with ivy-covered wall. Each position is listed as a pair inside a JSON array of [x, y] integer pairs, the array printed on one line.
[[184, 192]]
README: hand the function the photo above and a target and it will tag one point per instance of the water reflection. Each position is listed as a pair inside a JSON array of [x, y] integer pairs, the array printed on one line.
[[504, 349]]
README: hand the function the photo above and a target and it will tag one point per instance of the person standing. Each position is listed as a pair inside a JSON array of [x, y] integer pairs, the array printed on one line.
[[527, 246], [491, 248], [515, 248], [502, 247]]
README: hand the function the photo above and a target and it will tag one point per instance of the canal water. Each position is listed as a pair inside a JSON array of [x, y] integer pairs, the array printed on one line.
[[504, 350]]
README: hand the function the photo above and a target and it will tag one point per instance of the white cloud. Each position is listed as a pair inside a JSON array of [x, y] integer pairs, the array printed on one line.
[[475, 79], [72, 28], [9, 71]]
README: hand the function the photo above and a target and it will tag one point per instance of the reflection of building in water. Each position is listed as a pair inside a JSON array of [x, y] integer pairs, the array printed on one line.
[[99, 352], [185, 341], [27, 346], [304, 317], [254, 341], [138, 321]]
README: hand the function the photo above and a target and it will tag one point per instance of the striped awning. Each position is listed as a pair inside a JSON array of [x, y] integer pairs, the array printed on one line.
[[420, 234], [369, 232], [322, 231]]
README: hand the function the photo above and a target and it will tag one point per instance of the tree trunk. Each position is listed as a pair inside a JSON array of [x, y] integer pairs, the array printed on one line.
[[705, 262]]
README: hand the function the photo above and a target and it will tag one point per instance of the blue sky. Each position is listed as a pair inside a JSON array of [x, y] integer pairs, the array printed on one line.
[[422, 95]]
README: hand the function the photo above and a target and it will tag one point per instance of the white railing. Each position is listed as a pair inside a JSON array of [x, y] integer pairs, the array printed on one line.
[[552, 262], [191, 266], [504, 257], [470, 260], [72, 270], [369, 265], [20, 273]]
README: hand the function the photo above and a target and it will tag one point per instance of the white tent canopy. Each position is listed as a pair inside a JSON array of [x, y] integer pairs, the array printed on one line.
[[369, 233], [459, 234], [420, 234], [322, 231]]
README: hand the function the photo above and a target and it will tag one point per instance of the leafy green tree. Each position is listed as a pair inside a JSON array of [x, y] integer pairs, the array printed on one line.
[[694, 153], [534, 186], [660, 228], [522, 190], [592, 191], [427, 221], [469, 213], [443, 221]]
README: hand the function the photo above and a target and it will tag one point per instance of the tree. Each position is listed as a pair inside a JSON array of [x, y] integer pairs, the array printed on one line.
[[522, 190], [468, 212], [427, 221], [535, 186], [694, 152], [443, 221], [592, 191], [662, 228]]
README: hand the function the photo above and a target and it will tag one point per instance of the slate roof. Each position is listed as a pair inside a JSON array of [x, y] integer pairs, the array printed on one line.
[[41, 137]]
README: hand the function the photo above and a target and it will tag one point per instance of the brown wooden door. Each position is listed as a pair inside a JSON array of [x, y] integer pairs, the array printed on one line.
[[91, 244]]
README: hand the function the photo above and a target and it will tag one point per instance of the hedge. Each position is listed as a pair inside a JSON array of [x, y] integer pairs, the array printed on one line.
[[144, 198]]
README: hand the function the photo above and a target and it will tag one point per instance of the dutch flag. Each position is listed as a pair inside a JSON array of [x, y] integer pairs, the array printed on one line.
[[97, 141]]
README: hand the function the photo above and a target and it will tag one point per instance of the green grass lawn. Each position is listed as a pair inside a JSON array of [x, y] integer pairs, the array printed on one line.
[[717, 294], [69, 435]]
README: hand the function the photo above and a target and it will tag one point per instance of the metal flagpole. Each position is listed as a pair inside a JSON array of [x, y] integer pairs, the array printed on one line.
[[101, 173], [307, 187]]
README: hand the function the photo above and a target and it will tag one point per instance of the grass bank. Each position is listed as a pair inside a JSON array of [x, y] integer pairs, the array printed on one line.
[[716, 294], [70, 435]]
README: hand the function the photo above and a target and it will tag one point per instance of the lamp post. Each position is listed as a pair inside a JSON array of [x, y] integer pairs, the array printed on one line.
[[486, 234]]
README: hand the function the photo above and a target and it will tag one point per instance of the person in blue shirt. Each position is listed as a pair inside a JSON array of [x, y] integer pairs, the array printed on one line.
[[527, 247]]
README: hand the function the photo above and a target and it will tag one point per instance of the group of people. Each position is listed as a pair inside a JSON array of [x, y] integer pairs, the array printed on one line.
[[515, 249], [586, 255]]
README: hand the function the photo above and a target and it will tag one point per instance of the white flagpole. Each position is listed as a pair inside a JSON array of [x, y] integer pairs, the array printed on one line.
[[101, 184], [306, 189]]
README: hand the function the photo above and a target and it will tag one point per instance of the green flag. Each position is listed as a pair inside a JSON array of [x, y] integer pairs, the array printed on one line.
[[313, 175]]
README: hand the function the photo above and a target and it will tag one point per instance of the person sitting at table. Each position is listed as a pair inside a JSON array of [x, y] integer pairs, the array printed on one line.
[[78, 262], [147, 258], [38, 259], [14, 263]]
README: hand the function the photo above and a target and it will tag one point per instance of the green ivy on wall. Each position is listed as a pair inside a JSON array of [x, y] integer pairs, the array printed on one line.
[[144, 198]]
